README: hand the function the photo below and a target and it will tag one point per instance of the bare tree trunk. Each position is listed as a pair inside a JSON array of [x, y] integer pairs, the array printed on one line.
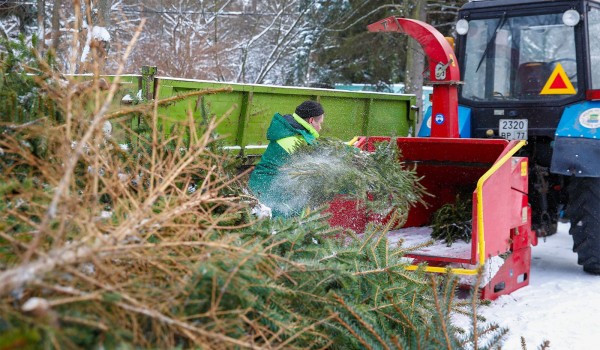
[[41, 7], [55, 24], [103, 7], [216, 42], [94, 48], [218, 71], [415, 61]]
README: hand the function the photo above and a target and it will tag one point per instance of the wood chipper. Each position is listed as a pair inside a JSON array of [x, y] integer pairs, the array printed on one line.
[[487, 169]]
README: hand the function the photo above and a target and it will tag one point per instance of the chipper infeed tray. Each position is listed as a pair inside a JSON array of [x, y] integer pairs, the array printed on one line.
[[501, 217]]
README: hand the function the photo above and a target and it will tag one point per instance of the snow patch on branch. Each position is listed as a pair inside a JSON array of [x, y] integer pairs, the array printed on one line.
[[95, 33]]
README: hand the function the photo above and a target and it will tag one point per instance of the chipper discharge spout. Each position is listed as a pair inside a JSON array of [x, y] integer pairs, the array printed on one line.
[[483, 170], [443, 70]]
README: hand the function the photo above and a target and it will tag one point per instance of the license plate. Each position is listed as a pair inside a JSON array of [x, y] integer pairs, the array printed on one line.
[[513, 129]]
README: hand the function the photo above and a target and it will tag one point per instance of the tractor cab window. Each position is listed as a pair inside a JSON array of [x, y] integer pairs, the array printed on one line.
[[594, 40], [518, 58]]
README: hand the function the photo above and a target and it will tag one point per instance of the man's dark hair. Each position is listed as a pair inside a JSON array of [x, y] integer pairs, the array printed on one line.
[[309, 109]]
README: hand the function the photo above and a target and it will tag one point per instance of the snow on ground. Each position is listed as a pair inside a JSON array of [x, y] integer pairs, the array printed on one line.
[[561, 303]]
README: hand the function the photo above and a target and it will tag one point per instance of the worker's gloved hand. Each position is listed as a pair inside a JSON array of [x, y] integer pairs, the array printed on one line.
[[357, 141], [262, 211], [353, 141]]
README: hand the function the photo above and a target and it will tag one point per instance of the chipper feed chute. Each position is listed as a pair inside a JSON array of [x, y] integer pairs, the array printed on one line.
[[484, 168]]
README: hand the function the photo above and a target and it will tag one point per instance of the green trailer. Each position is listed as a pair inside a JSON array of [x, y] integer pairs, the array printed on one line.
[[348, 114]]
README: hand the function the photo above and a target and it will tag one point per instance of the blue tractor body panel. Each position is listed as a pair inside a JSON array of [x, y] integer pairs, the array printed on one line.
[[464, 123], [576, 147]]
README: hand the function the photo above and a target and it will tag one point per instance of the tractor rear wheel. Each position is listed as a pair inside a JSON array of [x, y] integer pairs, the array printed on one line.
[[583, 210]]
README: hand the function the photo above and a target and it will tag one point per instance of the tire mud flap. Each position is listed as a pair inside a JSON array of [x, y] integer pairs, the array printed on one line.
[[576, 156]]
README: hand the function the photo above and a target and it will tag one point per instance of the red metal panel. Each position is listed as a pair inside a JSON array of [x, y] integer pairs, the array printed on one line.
[[496, 212], [444, 111], [518, 209], [451, 150], [345, 213], [523, 236], [520, 174], [513, 274]]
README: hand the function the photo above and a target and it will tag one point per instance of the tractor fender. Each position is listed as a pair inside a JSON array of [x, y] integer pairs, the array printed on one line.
[[464, 123], [576, 147]]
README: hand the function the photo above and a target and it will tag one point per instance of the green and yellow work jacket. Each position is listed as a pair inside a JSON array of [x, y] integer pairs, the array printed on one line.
[[285, 133]]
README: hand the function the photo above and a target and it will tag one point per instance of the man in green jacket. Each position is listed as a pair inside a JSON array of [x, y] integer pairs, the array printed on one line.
[[285, 133]]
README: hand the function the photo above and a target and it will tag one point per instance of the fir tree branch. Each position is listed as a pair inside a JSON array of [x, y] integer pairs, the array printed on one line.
[[441, 314], [360, 320], [474, 300], [386, 269], [304, 330], [337, 318]]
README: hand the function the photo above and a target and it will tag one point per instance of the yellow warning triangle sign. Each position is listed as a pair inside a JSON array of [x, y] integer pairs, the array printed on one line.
[[558, 83]]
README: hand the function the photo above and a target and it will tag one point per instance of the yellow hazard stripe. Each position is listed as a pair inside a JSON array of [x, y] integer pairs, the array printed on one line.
[[457, 271]]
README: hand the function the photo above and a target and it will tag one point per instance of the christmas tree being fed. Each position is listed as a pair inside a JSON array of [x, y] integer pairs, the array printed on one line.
[[315, 174]]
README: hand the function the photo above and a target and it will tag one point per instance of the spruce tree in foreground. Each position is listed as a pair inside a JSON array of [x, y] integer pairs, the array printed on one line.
[[153, 247]]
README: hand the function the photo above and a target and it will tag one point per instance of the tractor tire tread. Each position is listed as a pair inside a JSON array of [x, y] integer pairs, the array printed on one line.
[[584, 213]]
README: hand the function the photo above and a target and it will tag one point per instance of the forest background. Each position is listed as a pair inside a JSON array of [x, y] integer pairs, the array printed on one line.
[[315, 43]]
